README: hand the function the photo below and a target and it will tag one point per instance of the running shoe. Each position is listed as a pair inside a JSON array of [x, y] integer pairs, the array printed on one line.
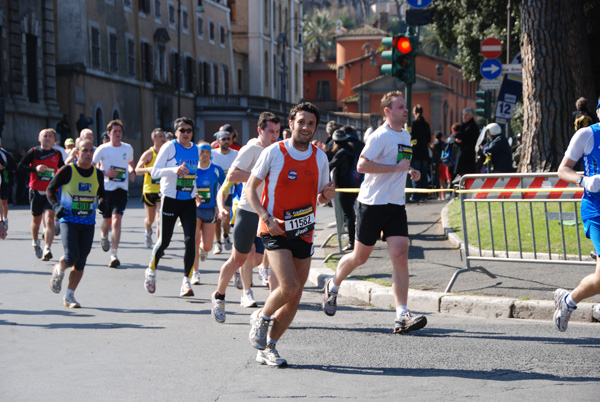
[[203, 255], [563, 311], [196, 278], [270, 356], [218, 308], [70, 302], [186, 290], [258, 331], [329, 300], [37, 249], [218, 248], [596, 312], [148, 240], [263, 275], [407, 323], [247, 299], [105, 243], [227, 242], [114, 262], [6, 224], [237, 280], [47, 256], [56, 280], [150, 282]]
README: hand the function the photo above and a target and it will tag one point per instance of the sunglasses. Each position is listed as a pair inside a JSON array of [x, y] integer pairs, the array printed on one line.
[[225, 138], [185, 130]]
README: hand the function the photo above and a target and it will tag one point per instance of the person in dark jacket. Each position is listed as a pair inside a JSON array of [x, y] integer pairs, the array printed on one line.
[[346, 147], [466, 138], [498, 148], [420, 139]]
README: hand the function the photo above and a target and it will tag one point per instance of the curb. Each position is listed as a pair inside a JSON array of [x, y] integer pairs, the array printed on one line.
[[449, 303]]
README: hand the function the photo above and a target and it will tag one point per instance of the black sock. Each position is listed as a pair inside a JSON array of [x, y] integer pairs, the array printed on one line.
[[219, 296]]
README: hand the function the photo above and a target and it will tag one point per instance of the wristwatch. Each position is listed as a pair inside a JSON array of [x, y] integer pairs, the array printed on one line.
[[580, 180]]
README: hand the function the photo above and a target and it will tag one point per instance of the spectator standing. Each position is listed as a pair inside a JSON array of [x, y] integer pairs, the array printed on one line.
[[466, 138], [498, 148], [420, 140]]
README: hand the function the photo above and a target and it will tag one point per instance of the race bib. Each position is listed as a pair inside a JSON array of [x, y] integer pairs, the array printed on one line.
[[299, 221], [204, 193], [404, 152], [82, 206], [155, 181], [46, 175], [186, 183], [121, 173]]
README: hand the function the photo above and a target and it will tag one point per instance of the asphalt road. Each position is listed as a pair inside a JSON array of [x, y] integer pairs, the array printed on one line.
[[127, 345]]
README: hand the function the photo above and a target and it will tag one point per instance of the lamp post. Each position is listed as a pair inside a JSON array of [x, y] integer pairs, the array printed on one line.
[[370, 54], [283, 41]]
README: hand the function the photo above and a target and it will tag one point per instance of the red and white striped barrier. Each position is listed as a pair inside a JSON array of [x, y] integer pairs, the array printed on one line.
[[490, 186]]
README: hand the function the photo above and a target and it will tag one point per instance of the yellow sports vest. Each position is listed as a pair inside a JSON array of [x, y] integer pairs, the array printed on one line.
[[79, 195], [151, 185]]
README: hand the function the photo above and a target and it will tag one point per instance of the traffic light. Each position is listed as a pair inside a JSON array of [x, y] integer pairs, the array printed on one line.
[[484, 107], [402, 56]]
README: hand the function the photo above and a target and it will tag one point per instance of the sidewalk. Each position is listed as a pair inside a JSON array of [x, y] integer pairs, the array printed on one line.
[[519, 291]]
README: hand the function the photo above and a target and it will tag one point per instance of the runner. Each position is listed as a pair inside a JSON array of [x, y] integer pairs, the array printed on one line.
[[176, 165], [151, 187], [81, 185], [296, 176], [42, 163], [85, 134], [224, 156], [385, 160], [209, 178], [115, 159], [245, 246]]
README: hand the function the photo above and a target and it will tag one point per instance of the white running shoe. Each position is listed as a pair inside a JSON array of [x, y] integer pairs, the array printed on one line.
[[114, 261], [563, 311], [148, 240], [218, 308], [150, 281], [105, 243], [218, 248], [247, 299], [186, 290], [407, 322], [259, 329], [237, 280], [270, 356], [196, 278], [47, 256], [263, 275], [56, 280], [227, 242], [203, 255], [70, 302], [37, 249]]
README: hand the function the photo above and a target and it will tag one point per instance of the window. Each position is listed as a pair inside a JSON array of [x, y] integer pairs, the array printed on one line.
[[175, 76], [239, 74], [266, 67], [127, 5], [31, 43], [341, 73], [189, 74], [221, 34], [231, 4], [157, 9], [99, 124], [216, 79], [95, 46], [323, 90], [113, 66], [225, 79], [161, 61], [274, 70], [205, 81], [144, 6], [266, 13], [185, 26], [200, 26], [116, 115], [130, 57], [211, 31], [147, 60], [296, 78], [171, 13]]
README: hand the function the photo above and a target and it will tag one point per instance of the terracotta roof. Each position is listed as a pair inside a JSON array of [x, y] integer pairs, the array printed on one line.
[[365, 30], [351, 99]]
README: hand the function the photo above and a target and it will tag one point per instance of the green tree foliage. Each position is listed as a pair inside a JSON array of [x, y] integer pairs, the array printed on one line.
[[318, 32], [461, 25]]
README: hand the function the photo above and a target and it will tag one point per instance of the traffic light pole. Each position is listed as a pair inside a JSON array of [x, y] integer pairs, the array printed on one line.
[[408, 95], [408, 98]]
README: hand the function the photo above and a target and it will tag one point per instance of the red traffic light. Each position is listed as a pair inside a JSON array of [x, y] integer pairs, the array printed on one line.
[[402, 43]]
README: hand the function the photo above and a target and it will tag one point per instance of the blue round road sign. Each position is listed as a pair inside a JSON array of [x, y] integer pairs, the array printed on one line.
[[419, 3], [491, 69]]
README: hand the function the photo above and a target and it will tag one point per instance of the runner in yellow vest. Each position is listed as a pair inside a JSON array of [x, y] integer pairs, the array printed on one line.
[[151, 188]]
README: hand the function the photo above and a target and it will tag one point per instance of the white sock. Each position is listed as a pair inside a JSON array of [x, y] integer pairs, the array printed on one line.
[[400, 310], [271, 341], [570, 302], [186, 279], [113, 252], [247, 292], [333, 287], [70, 293], [264, 317]]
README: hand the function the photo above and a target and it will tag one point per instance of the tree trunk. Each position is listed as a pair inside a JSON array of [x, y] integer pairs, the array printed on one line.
[[556, 71]]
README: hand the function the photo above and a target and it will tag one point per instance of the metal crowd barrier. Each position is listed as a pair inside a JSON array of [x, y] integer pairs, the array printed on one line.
[[557, 197]]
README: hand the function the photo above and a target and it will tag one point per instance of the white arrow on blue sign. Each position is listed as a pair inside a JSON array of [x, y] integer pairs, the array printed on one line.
[[419, 3], [491, 69]]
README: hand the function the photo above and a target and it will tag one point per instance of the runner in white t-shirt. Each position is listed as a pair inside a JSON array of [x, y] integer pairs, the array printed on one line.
[[115, 160], [224, 157], [385, 160], [246, 250]]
